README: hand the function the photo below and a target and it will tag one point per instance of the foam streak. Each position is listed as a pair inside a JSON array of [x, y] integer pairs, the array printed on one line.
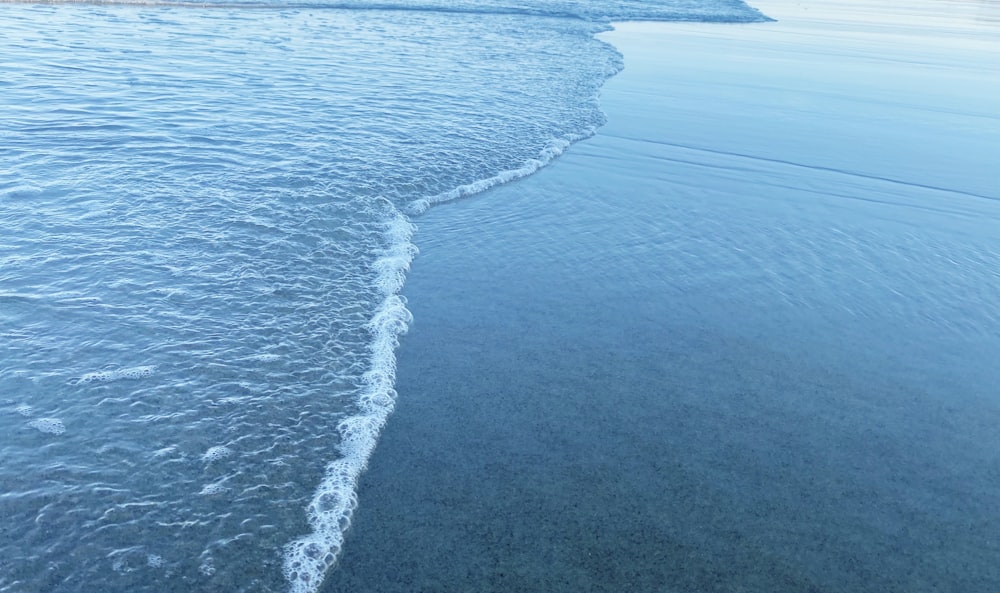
[[308, 558], [551, 152]]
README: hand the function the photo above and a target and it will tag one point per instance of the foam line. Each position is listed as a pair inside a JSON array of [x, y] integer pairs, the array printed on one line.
[[546, 156], [307, 559], [140, 372]]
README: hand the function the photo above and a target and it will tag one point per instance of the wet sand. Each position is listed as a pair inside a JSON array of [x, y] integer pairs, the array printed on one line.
[[741, 340]]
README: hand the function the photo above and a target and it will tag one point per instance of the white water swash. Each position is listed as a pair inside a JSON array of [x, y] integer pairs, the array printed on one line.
[[205, 230]]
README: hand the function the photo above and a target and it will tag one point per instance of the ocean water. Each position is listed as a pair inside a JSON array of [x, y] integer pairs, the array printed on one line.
[[742, 339], [206, 221]]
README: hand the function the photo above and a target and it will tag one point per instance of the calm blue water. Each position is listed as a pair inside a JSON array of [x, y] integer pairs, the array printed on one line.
[[205, 225]]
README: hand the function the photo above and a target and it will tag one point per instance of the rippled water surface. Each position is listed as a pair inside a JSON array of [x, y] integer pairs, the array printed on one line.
[[205, 224], [204, 231]]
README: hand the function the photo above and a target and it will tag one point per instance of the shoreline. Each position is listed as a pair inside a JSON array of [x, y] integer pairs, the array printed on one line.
[[652, 365]]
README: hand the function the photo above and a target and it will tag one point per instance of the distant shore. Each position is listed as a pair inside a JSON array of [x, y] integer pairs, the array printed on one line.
[[707, 349]]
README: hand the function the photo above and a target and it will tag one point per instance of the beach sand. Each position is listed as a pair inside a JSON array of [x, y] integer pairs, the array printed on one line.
[[743, 339]]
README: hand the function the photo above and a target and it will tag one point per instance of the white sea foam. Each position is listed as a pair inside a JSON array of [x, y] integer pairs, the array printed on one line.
[[395, 260], [216, 453], [24, 410], [555, 148], [213, 488], [219, 274], [48, 425], [308, 558], [139, 372]]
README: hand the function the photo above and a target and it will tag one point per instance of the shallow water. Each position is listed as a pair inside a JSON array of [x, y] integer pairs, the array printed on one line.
[[204, 235], [743, 339], [206, 225]]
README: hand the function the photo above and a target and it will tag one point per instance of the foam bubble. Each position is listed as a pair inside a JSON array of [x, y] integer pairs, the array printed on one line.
[[212, 489], [154, 560], [99, 376], [308, 558], [24, 410], [265, 357], [48, 425], [555, 148], [392, 266], [139, 372], [216, 453]]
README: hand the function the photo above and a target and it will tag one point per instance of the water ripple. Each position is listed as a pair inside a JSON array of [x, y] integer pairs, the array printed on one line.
[[201, 252]]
